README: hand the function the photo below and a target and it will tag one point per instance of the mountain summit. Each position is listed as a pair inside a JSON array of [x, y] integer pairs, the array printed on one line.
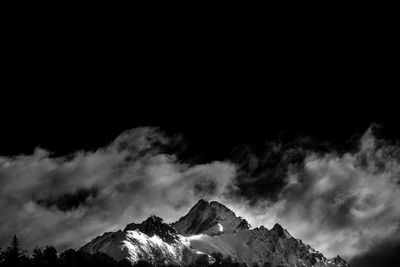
[[209, 228], [211, 218], [155, 226]]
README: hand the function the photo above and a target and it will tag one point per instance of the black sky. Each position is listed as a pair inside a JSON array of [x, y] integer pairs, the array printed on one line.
[[71, 86], [213, 121], [76, 85], [79, 92]]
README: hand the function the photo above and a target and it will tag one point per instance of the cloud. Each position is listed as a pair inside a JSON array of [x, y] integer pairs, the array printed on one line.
[[65, 201], [340, 203]]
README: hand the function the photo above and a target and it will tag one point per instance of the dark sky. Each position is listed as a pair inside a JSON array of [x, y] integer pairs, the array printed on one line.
[[70, 89], [219, 86], [213, 120]]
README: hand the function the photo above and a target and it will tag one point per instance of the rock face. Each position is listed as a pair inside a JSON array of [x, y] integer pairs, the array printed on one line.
[[152, 241], [275, 247], [209, 227], [260, 246], [210, 218], [155, 226]]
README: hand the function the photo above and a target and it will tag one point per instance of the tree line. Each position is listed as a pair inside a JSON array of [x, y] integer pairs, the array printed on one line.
[[14, 256]]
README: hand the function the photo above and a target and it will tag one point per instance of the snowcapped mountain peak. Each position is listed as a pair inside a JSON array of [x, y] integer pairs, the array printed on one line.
[[211, 218], [152, 240], [208, 228]]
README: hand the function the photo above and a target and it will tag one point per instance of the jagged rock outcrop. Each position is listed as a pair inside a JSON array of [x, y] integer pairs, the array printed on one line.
[[152, 240], [210, 218], [155, 226]]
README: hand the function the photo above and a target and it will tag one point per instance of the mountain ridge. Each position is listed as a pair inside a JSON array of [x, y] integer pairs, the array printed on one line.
[[209, 228]]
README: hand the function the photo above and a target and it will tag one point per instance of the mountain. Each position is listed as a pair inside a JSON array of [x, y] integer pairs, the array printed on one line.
[[209, 228], [152, 240], [210, 218]]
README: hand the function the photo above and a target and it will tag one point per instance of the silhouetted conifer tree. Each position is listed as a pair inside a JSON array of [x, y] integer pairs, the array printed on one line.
[[37, 258], [14, 256], [50, 256]]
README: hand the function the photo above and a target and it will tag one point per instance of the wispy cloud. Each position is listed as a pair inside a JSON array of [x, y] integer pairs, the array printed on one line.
[[65, 201], [341, 203]]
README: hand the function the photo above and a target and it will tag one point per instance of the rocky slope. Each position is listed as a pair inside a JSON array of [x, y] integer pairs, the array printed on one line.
[[209, 227], [210, 218], [152, 241]]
